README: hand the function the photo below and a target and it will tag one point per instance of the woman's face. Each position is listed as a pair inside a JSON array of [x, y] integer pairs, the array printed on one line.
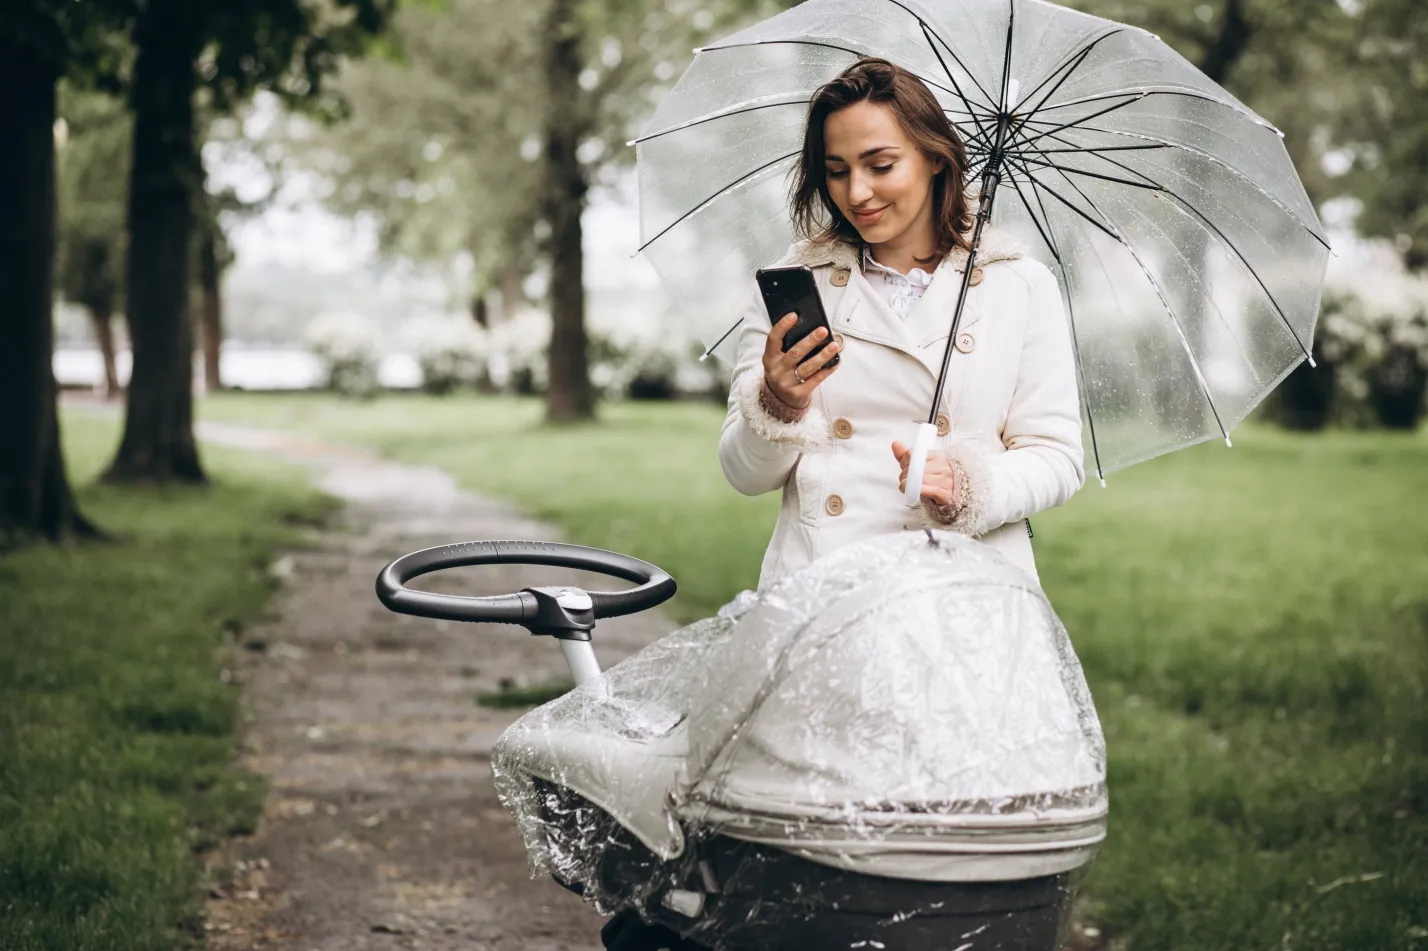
[[877, 176]]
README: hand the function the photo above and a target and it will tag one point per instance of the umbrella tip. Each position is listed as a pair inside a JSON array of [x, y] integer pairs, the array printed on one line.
[[1228, 443], [1103, 481], [1312, 364], [704, 356]]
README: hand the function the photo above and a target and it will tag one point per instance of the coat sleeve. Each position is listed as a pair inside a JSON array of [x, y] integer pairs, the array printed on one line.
[[757, 451], [1044, 462]]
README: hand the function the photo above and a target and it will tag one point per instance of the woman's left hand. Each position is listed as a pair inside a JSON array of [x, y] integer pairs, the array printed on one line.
[[939, 479]]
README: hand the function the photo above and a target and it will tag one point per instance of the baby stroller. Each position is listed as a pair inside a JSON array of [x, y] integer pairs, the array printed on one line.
[[893, 748]]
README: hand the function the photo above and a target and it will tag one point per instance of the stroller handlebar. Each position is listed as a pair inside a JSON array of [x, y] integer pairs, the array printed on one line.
[[528, 607]]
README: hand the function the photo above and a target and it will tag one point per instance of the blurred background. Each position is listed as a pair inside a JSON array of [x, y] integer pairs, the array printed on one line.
[[408, 227]]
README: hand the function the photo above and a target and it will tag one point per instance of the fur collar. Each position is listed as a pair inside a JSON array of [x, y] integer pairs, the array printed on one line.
[[997, 245]]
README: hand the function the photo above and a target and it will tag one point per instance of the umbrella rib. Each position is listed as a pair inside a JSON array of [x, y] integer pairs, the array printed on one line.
[[970, 75], [1159, 292], [711, 118], [1202, 154], [1050, 245], [1204, 223], [1134, 97], [1059, 197], [1047, 163], [721, 191], [1094, 149], [1006, 56], [1073, 61], [828, 46], [1049, 236], [931, 43], [1141, 94], [930, 33]]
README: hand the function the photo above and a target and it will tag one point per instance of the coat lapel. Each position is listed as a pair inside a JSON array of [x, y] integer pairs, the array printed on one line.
[[858, 310]]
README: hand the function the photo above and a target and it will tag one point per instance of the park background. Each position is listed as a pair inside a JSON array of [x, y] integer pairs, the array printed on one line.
[[408, 227]]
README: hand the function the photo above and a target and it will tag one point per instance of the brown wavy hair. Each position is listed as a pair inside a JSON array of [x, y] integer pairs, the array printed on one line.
[[815, 215]]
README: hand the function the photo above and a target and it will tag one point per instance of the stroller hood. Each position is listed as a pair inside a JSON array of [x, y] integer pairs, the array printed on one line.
[[908, 706]]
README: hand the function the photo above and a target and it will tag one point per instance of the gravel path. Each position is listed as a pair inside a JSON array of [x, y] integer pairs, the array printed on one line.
[[381, 829]]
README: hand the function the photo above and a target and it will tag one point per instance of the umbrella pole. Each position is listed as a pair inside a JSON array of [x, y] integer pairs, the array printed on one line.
[[990, 179], [927, 432]]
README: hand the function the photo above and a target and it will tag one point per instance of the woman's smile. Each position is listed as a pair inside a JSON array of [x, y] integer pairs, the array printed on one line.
[[869, 216]]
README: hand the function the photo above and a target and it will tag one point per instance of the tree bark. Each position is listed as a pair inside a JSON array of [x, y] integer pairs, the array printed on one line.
[[103, 319], [35, 496], [569, 396], [513, 291], [158, 443], [1229, 44], [210, 308]]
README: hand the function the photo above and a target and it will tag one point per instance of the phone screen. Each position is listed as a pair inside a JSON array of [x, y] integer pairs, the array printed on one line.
[[791, 290]]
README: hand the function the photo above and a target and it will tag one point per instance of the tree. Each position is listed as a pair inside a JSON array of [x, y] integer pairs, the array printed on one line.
[[92, 165], [234, 47], [439, 155], [39, 41], [1386, 129]]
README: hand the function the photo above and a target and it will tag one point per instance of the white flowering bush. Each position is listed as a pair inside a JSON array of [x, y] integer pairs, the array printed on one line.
[[517, 352], [451, 351], [349, 348], [1376, 341]]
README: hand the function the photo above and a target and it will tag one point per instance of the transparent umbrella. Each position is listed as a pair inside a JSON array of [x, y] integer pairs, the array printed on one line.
[[1188, 254]]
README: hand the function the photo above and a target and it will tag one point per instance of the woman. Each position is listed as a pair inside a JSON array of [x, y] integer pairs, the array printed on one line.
[[879, 198]]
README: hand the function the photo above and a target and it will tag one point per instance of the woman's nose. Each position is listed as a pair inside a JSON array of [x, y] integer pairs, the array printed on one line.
[[859, 190]]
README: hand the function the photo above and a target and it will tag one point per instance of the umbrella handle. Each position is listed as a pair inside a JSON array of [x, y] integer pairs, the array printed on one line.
[[917, 462]]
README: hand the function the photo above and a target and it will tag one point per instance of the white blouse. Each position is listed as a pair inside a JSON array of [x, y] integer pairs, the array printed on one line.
[[900, 291]]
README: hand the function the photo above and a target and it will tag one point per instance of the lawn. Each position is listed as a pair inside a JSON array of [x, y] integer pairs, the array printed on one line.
[[117, 716], [1253, 623]]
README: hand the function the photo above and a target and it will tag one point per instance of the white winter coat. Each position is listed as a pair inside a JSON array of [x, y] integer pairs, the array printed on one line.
[[1011, 412]]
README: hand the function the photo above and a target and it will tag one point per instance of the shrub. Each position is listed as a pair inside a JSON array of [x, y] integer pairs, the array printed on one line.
[[451, 351], [349, 348]]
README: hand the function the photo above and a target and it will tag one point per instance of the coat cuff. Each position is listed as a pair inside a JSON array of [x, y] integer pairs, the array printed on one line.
[[808, 433], [974, 490]]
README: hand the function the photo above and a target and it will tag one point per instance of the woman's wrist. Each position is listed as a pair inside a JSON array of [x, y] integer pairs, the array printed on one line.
[[779, 408]]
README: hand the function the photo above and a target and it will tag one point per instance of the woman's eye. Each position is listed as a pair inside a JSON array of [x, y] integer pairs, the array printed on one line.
[[837, 173], [882, 169]]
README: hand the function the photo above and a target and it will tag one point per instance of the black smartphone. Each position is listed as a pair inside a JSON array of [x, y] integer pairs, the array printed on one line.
[[791, 290]]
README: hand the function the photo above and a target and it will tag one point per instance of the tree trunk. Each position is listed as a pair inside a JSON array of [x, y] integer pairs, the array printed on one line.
[[103, 320], [35, 496], [158, 444], [1229, 44], [513, 291], [569, 396], [210, 308]]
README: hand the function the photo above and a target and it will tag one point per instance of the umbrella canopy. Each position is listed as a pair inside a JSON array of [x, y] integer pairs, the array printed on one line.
[[908, 706], [1188, 254]]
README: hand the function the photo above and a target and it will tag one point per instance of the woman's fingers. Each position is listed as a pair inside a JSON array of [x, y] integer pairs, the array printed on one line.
[[799, 351], [780, 329]]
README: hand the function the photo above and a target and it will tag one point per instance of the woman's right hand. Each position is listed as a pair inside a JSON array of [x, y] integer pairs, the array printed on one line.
[[793, 376]]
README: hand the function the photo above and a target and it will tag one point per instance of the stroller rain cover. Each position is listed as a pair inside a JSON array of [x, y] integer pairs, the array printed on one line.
[[909, 706]]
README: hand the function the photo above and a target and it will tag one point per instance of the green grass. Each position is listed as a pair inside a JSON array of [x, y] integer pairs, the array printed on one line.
[[517, 697], [116, 725], [1253, 623]]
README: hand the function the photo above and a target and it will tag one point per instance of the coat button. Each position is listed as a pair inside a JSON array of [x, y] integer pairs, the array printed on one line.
[[838, 339], [944, 425], [842, 428], [977, 275], [840, 277], [966, 343], [834, 505]]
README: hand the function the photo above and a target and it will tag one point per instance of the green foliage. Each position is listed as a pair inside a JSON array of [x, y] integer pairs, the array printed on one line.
[[445, 133], [92, 174], [116, 734], [1253, 624], [1387, 130]]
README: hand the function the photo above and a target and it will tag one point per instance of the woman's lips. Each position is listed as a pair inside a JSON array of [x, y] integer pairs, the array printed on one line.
[[868, 217]]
